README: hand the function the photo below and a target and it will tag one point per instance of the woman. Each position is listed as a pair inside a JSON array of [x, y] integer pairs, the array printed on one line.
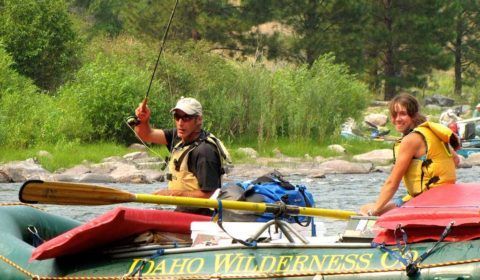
[[423, 156]]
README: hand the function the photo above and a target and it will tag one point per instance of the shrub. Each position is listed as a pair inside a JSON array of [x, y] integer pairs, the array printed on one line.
[[40, 38], [105, 92]]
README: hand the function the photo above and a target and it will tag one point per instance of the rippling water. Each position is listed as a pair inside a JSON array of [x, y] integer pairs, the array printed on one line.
[[340, 191]]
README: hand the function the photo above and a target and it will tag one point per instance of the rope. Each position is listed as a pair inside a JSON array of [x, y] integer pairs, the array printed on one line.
[[229, 276], [19, 204], [221, 276]]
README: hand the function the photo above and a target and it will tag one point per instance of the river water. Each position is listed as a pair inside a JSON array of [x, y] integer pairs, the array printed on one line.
[[339, 191]]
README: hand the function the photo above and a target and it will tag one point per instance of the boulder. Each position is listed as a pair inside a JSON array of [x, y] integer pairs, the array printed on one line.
[[339, 166], [473, 159], [337, 148], [439, 100], [135, 155], [137, 147], [20, 171], [95, 178], [377, 119], [249, 152], [4, 178], [378, 157], [114, 159], [44, 154], [127, 173]]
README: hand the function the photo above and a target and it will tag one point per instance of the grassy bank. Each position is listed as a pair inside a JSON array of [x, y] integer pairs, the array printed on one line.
[[71, 154]]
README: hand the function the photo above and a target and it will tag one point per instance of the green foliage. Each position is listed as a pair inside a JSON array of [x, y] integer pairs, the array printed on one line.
[[64, 155], [312, 103], [39, 36], [105, 92], [238, 99]]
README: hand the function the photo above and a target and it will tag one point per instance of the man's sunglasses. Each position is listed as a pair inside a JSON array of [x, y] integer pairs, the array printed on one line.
[[185, 118]]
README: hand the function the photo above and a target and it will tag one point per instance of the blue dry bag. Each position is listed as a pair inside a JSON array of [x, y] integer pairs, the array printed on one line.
[[272, 188]]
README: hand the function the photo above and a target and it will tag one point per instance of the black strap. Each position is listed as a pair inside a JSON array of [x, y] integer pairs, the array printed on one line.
[[219, 211], [274, 177], [178, 162], [308, 204]]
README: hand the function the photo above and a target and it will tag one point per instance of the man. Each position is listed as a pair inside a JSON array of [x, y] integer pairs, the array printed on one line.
[[423, 157], [448, 117], [476, 114], [195, 166]]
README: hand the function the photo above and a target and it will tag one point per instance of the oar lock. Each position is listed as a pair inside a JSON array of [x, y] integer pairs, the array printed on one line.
[[280, 209]]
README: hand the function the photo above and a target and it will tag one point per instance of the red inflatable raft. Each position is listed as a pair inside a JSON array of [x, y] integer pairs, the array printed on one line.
[[426, 216]]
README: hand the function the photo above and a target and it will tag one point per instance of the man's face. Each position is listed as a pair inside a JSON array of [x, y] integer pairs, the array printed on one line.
[[187, 125], [400, 118]]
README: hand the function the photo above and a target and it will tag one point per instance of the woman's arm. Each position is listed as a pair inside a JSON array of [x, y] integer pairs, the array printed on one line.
[[412, 146]]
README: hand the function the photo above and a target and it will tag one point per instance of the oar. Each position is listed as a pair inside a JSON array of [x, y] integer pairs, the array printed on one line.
[[65, 193]]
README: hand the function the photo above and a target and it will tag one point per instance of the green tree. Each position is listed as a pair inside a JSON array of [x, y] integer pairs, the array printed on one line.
[[407, 39], [317, 28], [465, 43], [40, 38]]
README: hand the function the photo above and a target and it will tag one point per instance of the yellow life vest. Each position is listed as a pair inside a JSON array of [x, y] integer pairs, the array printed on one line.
[[436, 167], [179, 177]]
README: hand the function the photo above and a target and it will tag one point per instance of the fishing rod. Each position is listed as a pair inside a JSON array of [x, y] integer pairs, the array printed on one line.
[[133, 121]]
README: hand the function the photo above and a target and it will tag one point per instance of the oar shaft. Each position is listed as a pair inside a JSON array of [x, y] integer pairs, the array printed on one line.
[[243, 205], [201, 202]]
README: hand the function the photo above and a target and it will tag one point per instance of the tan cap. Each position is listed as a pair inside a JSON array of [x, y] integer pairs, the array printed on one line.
[[189, 106]]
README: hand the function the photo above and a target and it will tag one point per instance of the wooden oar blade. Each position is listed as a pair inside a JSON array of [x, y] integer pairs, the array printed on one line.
[[65, 193]]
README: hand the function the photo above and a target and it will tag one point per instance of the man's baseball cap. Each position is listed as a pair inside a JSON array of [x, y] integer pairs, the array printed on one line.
[[189, 106]]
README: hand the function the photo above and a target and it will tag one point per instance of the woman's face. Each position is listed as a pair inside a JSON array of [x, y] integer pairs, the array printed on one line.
[[401, 120]]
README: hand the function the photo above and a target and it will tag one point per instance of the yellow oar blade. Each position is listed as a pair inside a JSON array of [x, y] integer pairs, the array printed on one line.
[[64, 193]]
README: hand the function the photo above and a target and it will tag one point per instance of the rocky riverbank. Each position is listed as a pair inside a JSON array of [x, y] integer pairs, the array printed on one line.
[[139, 167]]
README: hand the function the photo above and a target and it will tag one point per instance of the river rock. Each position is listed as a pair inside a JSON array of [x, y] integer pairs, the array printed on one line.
[[319, 159], [65, 177], [249, 152], [4, 178], [154, 175], [114, 159], [383, 168], [337, 148], [74, 171], [137, 147], [379, 157], [95, 178], [377, 119], [150, 163], [44, 154], [339, 166], [20, 171], [135, 155], [127, 173], [440, 100], [317, 174], [473, 159]]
